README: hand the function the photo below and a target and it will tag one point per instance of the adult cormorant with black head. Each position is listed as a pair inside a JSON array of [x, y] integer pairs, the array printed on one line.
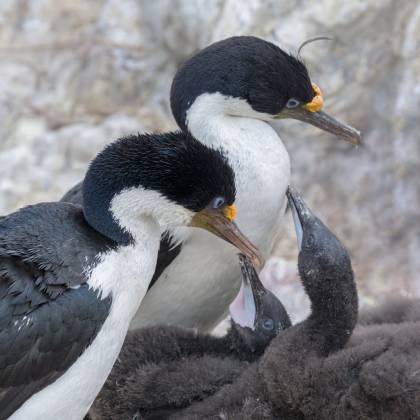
[[225, 96]]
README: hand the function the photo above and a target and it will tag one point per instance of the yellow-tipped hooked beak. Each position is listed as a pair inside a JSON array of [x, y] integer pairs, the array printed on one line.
[[220, 222], [312, 113]]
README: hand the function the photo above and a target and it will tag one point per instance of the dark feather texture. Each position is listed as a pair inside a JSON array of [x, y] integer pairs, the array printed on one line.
[[54, 240], [392, 310], [312, 370], [243, 67], [309, 372], [44, 324], [155, 359]]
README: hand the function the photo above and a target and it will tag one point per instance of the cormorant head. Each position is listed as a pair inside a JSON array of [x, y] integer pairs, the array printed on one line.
[[248, 77], [257, 315], [322, 257], [171, 178]]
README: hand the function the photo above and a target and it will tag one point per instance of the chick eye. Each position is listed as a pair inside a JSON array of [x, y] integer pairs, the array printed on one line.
[[310, 241], [292, 103], [268, 324], [218, 202]]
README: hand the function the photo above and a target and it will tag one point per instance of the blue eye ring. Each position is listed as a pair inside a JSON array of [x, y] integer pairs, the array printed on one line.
[[268, 324], [218, 202], [292, 103]]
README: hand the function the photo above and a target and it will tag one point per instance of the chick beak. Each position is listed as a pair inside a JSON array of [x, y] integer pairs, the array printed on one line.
[[302, 214], [311, 113], [220, 223], [251, 280]]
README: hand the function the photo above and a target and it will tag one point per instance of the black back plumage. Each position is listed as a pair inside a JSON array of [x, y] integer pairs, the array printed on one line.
[[173, 164], [48, 315], [243, 67], [54, 239]]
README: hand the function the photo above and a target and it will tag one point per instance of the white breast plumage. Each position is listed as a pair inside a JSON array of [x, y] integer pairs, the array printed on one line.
[[205, 276]]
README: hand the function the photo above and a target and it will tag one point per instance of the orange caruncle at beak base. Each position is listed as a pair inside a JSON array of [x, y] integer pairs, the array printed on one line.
[[317, 102], [230, 212]]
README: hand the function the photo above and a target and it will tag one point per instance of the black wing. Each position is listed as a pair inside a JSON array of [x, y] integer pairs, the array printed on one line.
[[167, 251], [44, 324], [74, 195]]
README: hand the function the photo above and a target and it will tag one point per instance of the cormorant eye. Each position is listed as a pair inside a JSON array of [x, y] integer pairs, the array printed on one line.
[[292, 103], [268, 324], [310, 241], [218, 202]]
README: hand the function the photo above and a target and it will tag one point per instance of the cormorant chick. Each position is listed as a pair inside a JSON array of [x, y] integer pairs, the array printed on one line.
[[308, 371], [311, 371], [153, 359]]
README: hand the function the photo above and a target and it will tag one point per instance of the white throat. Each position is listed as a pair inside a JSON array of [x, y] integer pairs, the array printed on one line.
[[257, 155], [136, 209], [210, 112]]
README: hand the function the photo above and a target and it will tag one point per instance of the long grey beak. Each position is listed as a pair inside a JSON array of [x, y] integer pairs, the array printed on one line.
[[325, 122]]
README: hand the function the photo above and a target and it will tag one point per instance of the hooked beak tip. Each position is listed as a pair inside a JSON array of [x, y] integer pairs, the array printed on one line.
[[220, 223]]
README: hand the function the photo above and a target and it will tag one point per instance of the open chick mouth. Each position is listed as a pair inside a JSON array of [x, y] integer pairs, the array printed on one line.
[[249, 295]]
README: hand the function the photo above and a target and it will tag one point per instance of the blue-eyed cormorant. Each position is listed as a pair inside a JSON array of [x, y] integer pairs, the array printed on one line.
[[226, 95], [71, 279]]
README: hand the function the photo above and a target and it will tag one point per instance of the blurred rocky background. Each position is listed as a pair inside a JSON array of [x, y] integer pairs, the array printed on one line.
[[76, 74]]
